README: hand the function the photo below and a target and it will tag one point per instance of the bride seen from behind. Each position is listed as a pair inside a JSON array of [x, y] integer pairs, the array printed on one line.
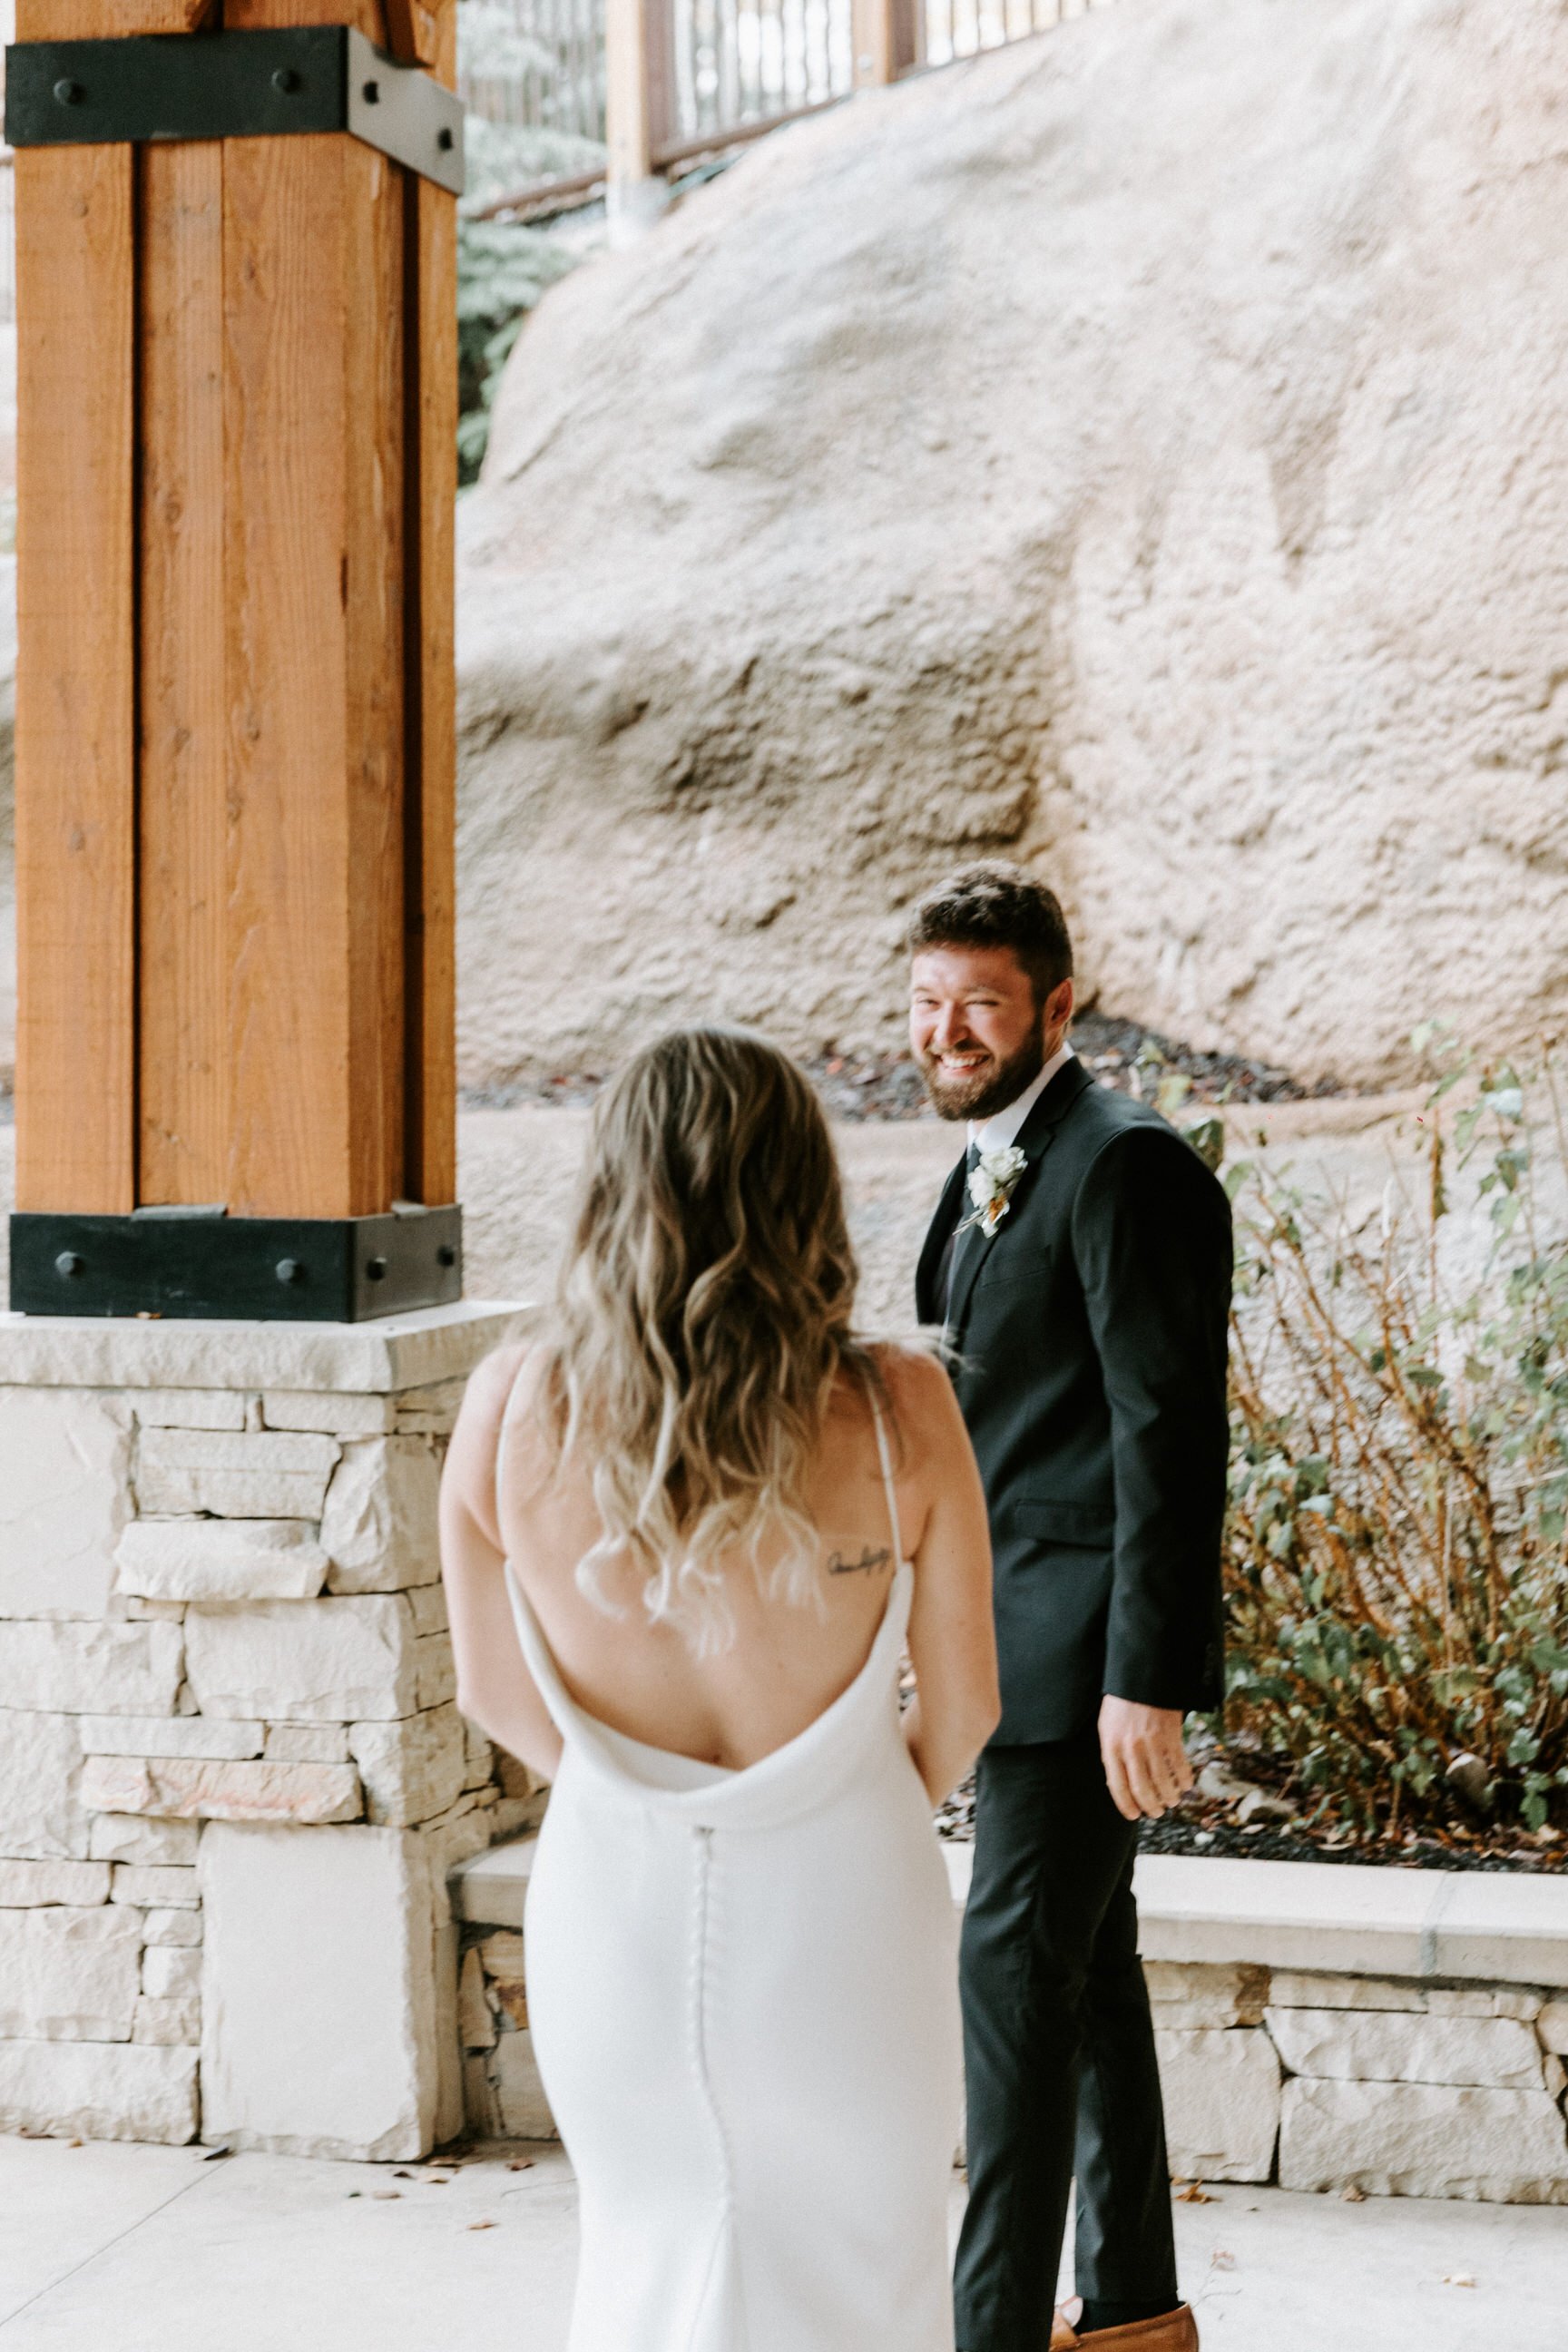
[[685, 1540]]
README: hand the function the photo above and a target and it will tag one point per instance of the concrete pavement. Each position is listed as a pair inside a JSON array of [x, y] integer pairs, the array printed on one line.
[[161, 2250]]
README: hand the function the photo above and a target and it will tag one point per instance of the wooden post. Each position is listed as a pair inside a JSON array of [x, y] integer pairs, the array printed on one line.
[[638, 34], [888, 36], [235, 731]]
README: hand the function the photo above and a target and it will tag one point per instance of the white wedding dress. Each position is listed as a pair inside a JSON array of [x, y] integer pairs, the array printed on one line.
[[743, 1991]]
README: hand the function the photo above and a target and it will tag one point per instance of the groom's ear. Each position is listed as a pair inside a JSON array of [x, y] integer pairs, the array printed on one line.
[[1057, 1009]]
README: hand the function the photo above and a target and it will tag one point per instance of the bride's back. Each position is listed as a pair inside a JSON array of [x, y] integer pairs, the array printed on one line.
[[773, 1662]]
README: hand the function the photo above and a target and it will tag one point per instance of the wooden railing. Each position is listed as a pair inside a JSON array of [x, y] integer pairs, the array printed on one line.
[[675, 80]]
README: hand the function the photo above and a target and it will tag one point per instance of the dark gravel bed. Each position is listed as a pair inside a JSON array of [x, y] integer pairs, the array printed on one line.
[[1202, 1827], [887, 1086]]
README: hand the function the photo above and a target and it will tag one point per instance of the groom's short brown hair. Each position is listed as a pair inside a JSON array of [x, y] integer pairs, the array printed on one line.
[[997, 905]]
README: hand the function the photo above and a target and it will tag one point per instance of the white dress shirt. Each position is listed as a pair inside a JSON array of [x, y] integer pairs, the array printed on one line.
[[1003, 1126]]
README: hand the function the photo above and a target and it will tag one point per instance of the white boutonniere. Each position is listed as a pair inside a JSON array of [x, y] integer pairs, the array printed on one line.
[[992, 1183]]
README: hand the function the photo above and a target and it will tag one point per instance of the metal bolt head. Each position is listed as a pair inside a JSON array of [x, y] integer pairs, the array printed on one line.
[[445, 1254], [69, 1264], [372, 93], [69, 93], [376, 1269], [445, 139], [286, 81], [289, 1269]]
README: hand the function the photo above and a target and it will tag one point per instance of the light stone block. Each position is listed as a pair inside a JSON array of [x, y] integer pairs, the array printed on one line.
[[1221, 2092], [345, 1661], [379, 1526], [167, 1886], [185, 1790], [491, 1889], [332, 1412], [69, 1975], [42, 1817], [1552, 2027], [150, 1613], [320, 2010], [116, 1836], [161, 1735], [23, 1884], [191, 1408], [476, 2021], [308, 1743], [244, 1474], [221, 1559], [1291, 1988], [431, 1411], [393, 1353], [175, 1928], [1206, 1995], [1423, 2139], [502, 1956], [1484, 2001], [64, 1497], [479, 1757], [171, 1971], [427, 1603], [1502, 1928], [412, 1770], [522, 2109], [90, 1669], [1385, 2046], [83, 2090], [436, 1671], [169, 2024]]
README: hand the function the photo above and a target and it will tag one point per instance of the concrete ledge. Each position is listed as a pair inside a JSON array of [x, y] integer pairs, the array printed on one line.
[[1340, 1918], [404, 1352], [491, 1890], [1354, 1919]]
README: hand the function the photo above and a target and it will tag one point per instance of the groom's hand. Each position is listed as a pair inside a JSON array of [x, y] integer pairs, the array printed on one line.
[[1146, 1766]]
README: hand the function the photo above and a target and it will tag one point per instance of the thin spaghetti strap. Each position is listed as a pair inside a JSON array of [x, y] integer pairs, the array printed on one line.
[[887, 1462]]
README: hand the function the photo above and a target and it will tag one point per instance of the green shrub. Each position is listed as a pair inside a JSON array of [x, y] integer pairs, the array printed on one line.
[[1397, 1567], [502, 270]]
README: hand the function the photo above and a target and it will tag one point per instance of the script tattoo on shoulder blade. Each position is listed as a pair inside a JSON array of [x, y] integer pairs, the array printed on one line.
[[871, 1558]]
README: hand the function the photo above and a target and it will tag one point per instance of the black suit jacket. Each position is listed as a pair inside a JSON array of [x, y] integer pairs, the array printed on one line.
[[1092, 1331]]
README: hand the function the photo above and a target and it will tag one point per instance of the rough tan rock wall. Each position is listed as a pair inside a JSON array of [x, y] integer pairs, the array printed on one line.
[[1143, 451]]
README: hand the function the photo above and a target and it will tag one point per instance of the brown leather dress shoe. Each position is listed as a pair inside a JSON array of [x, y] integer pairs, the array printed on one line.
[[1174, 2331]]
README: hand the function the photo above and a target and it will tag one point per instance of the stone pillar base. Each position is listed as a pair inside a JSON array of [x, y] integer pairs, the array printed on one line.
[[232, 1777]]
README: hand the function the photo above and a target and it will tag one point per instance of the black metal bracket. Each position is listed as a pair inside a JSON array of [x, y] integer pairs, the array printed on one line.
[[181, 1264], [233, 85]]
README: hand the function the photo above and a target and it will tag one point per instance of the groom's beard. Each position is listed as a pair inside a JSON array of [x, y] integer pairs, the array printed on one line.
[[987, 1088]]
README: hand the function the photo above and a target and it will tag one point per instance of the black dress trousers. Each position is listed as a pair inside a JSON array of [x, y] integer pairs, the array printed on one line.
[[1058, 2054]]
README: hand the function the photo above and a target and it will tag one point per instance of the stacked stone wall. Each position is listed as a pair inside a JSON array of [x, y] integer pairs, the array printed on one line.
[[224, 1667], [1385, 2086]]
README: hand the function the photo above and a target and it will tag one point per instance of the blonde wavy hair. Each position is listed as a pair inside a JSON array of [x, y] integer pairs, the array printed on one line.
[[704, 1314]]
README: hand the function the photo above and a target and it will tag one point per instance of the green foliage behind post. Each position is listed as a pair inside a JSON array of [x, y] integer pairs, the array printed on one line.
[[1397, 1545], [502, 270]]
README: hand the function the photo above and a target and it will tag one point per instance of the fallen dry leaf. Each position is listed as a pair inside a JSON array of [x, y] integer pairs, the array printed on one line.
[[481, 2225], [1193, 2192], [386, 2196], [1352, 2195], [1457, 2278], [520, 2164]]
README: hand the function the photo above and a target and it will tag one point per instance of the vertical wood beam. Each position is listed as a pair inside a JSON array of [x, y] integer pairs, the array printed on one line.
[[634, 41], [183, 1047], [431, 1147], [76, 694], [314, 420], [887, 39]]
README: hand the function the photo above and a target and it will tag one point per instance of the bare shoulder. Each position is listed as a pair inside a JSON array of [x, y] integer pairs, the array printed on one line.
[[924, 1409], [490, 1386]]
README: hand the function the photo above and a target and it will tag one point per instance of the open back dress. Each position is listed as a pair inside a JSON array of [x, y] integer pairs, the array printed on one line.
[[743, 1992]]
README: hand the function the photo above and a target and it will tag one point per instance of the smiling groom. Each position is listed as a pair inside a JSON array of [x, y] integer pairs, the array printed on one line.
[[1080, 1260]]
